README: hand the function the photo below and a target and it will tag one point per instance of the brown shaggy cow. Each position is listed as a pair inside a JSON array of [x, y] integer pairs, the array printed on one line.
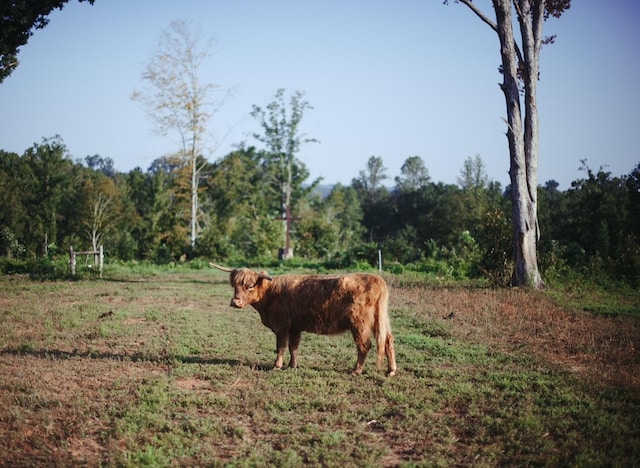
[[327, 305]]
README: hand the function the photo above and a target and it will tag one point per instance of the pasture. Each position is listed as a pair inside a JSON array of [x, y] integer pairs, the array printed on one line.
[[155, 368]]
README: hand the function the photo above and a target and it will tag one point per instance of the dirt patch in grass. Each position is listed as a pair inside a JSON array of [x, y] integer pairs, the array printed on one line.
[[192, 384]]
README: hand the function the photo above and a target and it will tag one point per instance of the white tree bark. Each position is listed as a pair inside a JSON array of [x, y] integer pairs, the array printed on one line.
[[522, 124], [177, 99]]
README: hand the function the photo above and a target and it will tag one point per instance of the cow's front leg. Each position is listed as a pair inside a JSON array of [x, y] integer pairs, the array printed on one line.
[[294, 343], [363, 343], [282, 340]]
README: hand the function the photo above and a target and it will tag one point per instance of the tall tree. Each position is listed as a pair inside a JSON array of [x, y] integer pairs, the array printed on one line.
[[414, 175], [15, 177], [18, 21], [242, 205], [100, 164], [520, 70], [101, 198], [474, 182], [171, 218], [473, 175], [178, 100], [369, 181], [633, 185], [52, 171], [282, 138], [343, 210], [377, 204]]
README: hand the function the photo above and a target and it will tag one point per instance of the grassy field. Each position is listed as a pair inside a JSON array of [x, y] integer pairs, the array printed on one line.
[[155, 369]]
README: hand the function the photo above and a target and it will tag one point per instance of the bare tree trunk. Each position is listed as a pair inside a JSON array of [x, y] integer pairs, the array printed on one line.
[[523, 139], [99, 219], [194, 200], [288, 250]]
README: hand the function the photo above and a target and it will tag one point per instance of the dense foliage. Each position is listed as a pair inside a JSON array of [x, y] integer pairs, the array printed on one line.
[[51, 202]]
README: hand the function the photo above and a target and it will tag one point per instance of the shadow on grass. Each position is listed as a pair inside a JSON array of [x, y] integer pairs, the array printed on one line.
[[139, 357], [57, 354], [163, 279]]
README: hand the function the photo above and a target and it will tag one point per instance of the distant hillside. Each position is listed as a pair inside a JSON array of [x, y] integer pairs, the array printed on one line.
[[324, 190]]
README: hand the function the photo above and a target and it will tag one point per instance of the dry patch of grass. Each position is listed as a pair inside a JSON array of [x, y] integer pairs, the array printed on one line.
[[601, 347], [55, 409]]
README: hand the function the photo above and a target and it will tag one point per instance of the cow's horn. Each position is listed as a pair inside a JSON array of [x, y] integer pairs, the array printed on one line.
[[228, 270]]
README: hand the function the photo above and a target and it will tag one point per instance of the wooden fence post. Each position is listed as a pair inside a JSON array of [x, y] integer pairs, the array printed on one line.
[[72, 260], [101, 260]]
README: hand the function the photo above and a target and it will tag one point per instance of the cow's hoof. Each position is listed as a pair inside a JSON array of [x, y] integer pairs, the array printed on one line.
[[391, 373]]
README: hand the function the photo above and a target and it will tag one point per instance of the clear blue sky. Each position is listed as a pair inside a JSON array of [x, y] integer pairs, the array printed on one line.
[[390, 79]]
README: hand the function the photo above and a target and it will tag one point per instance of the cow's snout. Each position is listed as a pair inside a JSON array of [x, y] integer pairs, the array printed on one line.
[[236, 303]]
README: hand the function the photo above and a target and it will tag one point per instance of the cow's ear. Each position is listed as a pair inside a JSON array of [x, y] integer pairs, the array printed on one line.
[[263, 275]]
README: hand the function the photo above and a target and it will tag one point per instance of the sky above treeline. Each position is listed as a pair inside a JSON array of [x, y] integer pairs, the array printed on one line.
[[387, 79]]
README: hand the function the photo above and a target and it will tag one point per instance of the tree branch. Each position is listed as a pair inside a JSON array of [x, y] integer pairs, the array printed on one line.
[[492, 25], [480, 15]]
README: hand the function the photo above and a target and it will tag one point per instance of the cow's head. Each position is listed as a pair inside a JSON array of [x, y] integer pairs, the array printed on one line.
[[248, 285]]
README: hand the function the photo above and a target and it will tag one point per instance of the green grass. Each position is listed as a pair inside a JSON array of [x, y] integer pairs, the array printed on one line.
[[154, 369], [599, 295]]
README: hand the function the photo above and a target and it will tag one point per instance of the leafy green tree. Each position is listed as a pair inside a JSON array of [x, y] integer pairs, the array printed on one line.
[[9, 244], [414, 175], [597, 218], [552, 213], [102, 205], [369, 183], [404, 246], [19, 19], [238, 182], [150, 200], [124, 221], [632, 182], [171, 216], [473, 181], [343, 210], [316, 236], [15, 175], [52, 173], [242, 208], [282, 138], [414, 200], [100, 211], [495, 246], [100, 164], [143, 192], [629, 260], [473, 175], [378, 205]]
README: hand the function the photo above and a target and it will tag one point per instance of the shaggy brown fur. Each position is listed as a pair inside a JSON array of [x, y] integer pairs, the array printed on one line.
[[326, 305]]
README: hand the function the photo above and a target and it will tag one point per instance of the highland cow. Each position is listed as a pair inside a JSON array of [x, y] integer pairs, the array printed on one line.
[[322, 304]]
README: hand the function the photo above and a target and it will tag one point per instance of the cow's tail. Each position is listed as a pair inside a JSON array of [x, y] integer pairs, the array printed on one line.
[[383, 335]]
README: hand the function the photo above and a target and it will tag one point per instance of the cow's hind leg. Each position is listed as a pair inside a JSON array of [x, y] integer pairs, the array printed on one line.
[[282, 340], [294, 343], [363, 344], [391, 356]]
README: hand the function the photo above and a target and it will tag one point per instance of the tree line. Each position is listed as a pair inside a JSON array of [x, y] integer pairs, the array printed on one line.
[[51, 202], [177, 101]]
